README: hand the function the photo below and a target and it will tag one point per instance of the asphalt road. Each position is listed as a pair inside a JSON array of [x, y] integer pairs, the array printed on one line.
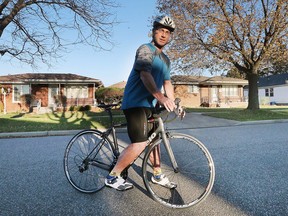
[[251, 175]]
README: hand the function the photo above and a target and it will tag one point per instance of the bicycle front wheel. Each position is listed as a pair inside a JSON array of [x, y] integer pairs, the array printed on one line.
[[87, 160], [194, 177]]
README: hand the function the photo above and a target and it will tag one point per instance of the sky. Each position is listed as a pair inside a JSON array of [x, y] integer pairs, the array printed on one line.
[[108, 66]]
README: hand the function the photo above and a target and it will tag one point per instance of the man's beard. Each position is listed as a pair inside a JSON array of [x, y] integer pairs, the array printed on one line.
[[158, 45]]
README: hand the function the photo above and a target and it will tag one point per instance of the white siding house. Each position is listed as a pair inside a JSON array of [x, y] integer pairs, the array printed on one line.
[[273, 89]]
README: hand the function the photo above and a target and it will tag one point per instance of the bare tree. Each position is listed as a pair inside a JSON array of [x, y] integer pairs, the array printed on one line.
[[221, 34], [33, 30]]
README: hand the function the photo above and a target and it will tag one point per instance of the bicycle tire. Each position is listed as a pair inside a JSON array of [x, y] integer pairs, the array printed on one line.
[[195, 176], [87, 160]]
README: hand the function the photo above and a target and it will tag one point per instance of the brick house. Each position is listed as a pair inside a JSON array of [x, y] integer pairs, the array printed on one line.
[[217, 91], [49, 90]]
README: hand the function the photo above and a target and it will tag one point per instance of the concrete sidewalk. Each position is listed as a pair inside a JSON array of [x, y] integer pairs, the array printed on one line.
[[191, 121]]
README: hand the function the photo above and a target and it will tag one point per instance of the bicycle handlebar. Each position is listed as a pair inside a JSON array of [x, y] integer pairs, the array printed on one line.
[[178, 111], [162, 108], [159, 111]]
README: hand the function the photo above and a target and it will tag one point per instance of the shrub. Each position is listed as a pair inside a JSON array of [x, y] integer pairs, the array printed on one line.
[[72, 108], [109, 95], [87, 108], [60, 100], [1, 107], [27, 99], [81, 108]]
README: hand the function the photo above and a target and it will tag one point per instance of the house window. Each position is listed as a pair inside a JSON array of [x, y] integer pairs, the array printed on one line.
[[19, 90], [269, 92], [77, 91], [193, 89], [229, 91]]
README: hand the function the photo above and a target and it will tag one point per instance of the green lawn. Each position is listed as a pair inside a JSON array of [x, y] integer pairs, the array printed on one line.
[[266, 113], [56, 121], [84, 120]]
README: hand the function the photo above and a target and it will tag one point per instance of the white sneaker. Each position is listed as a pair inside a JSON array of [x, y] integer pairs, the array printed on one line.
[[118, 183], [163, 181]]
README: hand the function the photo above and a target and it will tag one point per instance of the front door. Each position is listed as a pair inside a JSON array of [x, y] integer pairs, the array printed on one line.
[[52, 95]]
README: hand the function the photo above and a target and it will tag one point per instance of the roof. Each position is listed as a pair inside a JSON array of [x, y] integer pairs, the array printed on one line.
[[225, 80], [273, 80], [120, 85], [186, 79], [48, 78]]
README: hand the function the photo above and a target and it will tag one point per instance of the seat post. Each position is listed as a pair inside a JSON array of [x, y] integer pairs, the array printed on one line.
[[108, 110]]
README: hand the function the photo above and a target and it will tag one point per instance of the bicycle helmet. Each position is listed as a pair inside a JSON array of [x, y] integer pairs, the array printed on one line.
[[164, 21]]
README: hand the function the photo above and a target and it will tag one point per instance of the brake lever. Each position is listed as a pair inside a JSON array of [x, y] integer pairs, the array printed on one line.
[[180, 111]]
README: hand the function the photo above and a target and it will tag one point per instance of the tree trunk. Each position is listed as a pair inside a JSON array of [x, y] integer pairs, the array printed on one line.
[[253, 101]]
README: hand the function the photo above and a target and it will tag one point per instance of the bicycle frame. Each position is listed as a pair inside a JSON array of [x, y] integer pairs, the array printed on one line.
[[160, 130], [110, 131], [163, 133]]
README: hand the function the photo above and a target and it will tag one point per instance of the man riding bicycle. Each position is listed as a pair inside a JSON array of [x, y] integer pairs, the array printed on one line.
[[150, 72]]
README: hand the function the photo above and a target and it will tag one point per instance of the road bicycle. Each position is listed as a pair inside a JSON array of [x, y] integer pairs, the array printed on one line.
[[91, 154]]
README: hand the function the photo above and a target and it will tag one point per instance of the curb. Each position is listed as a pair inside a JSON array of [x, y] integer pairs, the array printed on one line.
[[48, 133], [38, 133], [262, 122]]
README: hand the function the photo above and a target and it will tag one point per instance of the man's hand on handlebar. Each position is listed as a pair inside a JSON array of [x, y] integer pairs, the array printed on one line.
[[167, 103], [174, 106]]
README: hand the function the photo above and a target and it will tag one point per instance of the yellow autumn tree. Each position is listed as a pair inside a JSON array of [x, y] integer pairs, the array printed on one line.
[[219, 35]]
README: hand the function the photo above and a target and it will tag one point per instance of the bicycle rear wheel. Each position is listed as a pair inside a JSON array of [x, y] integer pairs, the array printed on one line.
[[194, 177], [87, 160]]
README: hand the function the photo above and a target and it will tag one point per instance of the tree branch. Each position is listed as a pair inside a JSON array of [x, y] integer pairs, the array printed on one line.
[[92, 20]]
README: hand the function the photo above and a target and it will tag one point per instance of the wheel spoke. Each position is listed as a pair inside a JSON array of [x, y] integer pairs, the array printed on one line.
[[87, 160], [195, 177]]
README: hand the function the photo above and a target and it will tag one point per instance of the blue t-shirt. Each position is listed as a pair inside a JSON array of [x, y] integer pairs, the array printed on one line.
[[150, 60]]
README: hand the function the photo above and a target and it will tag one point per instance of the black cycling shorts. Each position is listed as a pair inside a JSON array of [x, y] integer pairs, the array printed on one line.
[[137, 124]]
